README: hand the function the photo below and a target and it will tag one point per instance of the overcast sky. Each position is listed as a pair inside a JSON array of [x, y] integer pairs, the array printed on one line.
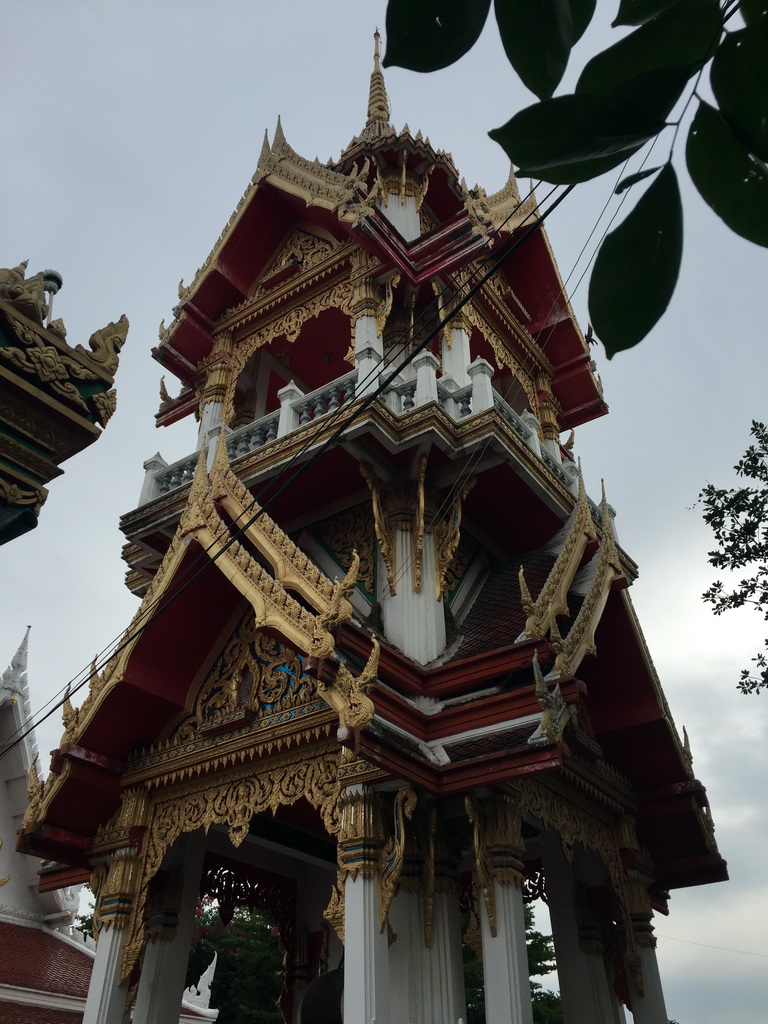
[[130, 132]]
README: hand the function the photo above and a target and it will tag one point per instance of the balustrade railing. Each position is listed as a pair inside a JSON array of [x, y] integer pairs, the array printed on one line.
[[297, 410]]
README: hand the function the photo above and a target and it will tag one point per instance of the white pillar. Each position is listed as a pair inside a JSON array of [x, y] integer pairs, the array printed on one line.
[[369, 353], [367, 992], [426, 367], [481, 372], [444, 957], [505, 960], [163, 973], [289, 417], [211, 416], [408, 972], [414, 622], [106, 1002], [402, 213], [456, 356], [149, 487], [648, 1008], [583, 981], [534, 425]]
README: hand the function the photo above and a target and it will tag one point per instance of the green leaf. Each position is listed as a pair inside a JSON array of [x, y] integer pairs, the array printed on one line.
[[426, 35], [637, 12], [636, 268], [684, 35], [632, 179], [739, 79], [537, 39], [730, 180], [573, 138], [754, 12], [581, 14]]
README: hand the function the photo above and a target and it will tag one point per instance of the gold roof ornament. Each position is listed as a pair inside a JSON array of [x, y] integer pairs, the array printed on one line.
[[378, 101]]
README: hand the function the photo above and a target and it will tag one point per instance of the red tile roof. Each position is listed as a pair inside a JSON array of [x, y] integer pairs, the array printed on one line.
[[38, 959], [15, 1013]]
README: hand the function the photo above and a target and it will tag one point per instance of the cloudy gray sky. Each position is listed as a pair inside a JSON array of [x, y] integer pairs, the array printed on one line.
[[129, 133]]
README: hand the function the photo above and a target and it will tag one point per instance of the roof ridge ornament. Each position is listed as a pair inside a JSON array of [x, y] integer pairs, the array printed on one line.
[[378, 101]]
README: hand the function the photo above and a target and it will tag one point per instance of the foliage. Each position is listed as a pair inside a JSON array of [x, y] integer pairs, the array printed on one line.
[[739, 518], [622, 102], [248, 978], [547, 1008]]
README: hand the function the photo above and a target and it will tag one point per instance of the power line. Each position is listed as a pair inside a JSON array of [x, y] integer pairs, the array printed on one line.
[[705, 945], [167, 599]]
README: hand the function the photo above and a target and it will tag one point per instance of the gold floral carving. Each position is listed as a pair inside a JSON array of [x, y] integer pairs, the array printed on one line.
[[447, 538], [12, 494], [303, 249], [393, 853], [286, 323], [36, 793], [382, 313], [348, 694], [498, 845], [418, 525], [554, 710], [385, 534], [105, 404], [553, 599], [581, 637], [336, 611], [105, 345], [349, 532], [292, 567], [230, 798]]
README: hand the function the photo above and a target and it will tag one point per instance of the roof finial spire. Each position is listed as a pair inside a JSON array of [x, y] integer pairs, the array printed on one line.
[[378, 102]]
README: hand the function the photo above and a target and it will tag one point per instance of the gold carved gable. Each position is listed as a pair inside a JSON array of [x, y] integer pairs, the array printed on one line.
[[254, 678], [302, 249], [349, 531]]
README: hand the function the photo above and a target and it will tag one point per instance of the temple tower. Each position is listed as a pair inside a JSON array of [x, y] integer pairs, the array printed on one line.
[[385, 678]]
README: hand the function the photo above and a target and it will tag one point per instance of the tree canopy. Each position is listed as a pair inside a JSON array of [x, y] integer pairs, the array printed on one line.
[[739, 518], [626, 97]]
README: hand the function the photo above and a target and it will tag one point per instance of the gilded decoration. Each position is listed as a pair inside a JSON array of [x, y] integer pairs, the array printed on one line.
[[349, 695], [303, 249], [230, 797], [253, 674], [36, 793], [554, 710], [7, 877], [42, 354], [497, 845], [466, 550], [447, 534], [581, 637], [553, 599], [385, 534], [393, 853], [346, 533], [310, 296], [385, 308], [575, 824]]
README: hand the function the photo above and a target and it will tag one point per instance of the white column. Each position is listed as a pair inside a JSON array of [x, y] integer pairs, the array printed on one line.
[[151, 467], [414, 622], [289, 417], [583, 981], [369, 353], [211, 416], [367, 992], [163, 972], [534, 425], [480, 372], [446, 969], [648, 1008], [505, 960], [456, 356], [426, 367], [106, 995], [402, 213], [408, 971]]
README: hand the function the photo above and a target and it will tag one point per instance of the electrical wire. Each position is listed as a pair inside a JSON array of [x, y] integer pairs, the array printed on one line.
[[171, 595]]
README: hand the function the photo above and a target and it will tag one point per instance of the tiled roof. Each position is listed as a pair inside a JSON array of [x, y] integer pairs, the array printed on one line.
[[496, 619], [37, 959], [16, 1013]]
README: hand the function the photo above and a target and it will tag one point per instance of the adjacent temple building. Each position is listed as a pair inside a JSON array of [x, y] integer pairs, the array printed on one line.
[[385, 680]]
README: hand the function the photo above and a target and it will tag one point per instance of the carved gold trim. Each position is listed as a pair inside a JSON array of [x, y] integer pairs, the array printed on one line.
[[447, 538], [553, 599], [393, 853], [581, 637]]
